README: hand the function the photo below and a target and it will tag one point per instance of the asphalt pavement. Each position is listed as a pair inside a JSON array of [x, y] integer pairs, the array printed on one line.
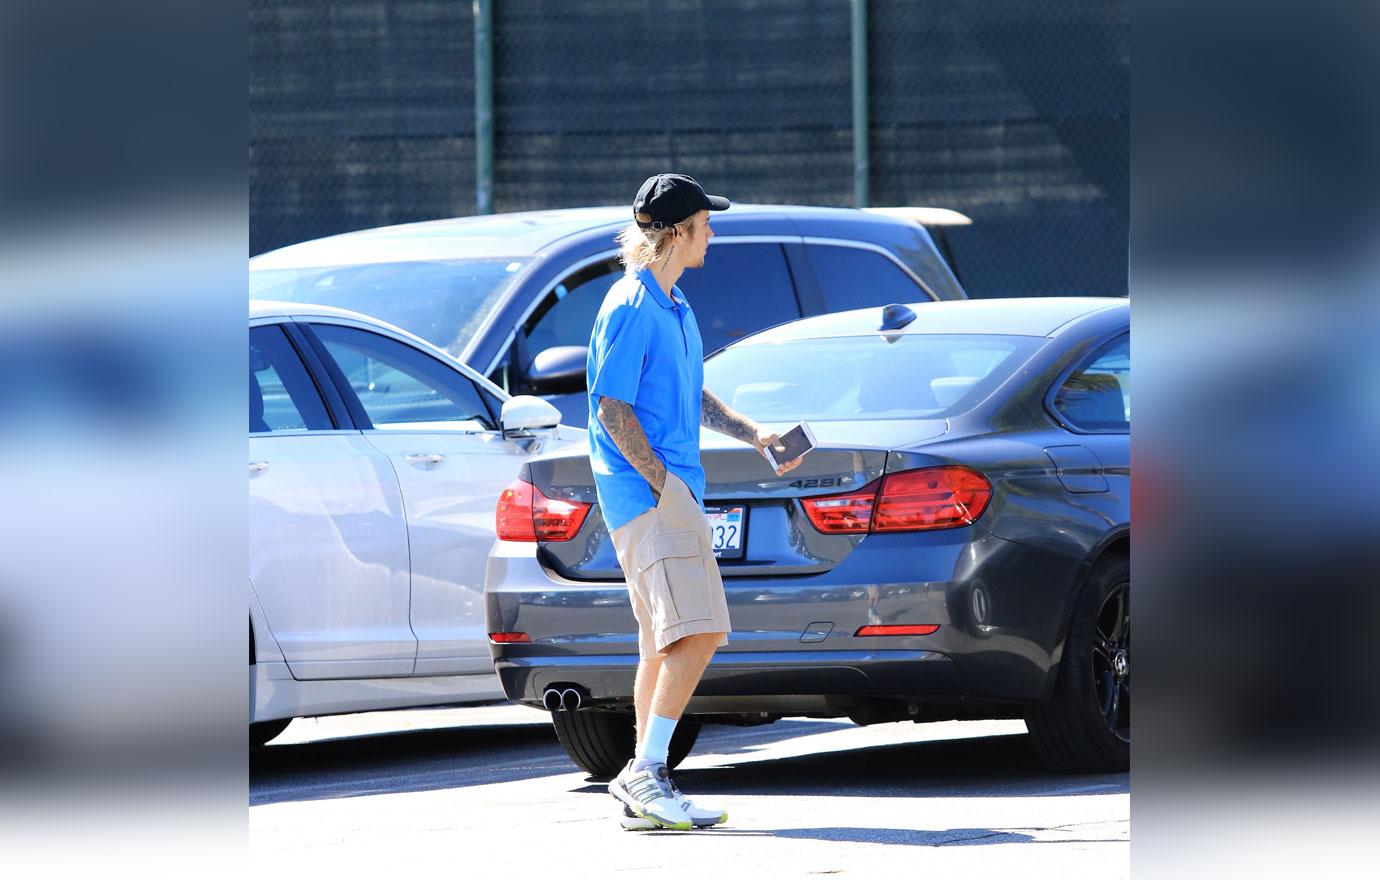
[[489, 789]]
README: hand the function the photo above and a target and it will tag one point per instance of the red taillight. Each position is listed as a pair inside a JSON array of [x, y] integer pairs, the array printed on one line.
[[931, 498], [513, 518], [557, 520], [846, 513], [919, 629], [918, 500], [508, 638], [525, 514]]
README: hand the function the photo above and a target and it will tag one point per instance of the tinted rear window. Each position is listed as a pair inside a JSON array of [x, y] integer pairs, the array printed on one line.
[[742, 288], [853, 278], [864, 377]]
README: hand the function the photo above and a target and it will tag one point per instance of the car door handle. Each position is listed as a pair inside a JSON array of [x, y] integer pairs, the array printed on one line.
[[257, 467], [424, 458]]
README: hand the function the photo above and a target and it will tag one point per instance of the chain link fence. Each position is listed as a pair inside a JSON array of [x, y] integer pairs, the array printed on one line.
[[1014, 112], [752, 98], [361, 114]]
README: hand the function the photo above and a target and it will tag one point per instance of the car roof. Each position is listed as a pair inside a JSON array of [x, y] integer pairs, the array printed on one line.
[[1016, 316], [269, 308], [518, 235], [493, 235]]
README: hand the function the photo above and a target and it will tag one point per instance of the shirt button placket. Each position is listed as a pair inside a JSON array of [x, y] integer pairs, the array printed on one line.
[[680, 321]]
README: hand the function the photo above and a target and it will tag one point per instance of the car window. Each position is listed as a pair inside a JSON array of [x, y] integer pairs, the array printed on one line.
[[1097, 396], [573, 307], [742, 288], [442, 301], [854, 278], [401, 387], [282, 395], [565, 316], [848, 378]]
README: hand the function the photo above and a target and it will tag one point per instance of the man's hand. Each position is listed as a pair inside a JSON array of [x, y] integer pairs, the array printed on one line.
[[716, 416], [765, 439]]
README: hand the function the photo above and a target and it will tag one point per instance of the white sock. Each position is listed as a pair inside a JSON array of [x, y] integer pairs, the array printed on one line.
[[656, 742]]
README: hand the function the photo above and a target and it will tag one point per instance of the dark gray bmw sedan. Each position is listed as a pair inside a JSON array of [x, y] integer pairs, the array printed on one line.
[[956, 547]]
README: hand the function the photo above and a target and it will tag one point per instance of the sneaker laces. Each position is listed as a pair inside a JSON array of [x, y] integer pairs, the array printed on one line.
[[647, 785]]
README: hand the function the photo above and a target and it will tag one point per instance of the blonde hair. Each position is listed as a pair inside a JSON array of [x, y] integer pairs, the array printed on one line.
[[643, 247]]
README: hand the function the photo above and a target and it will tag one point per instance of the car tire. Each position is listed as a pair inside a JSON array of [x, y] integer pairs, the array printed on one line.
[[1086, 727], [602, 742], [263, 731]]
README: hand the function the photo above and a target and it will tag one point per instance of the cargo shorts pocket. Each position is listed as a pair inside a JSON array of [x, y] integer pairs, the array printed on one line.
[[671, 569]]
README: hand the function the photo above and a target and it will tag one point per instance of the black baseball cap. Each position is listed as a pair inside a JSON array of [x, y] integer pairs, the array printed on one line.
[[670, 198]]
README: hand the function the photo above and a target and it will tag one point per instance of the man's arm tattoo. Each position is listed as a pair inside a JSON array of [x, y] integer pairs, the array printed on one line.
[[716, 416], [618, 419]]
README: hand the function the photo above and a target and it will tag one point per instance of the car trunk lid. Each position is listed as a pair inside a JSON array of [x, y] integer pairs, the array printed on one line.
[[776, 537]]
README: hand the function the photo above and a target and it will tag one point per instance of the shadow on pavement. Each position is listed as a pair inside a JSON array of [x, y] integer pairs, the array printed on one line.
[[443, 758], [425, 760], [892, 836], [990, 766], [430, 760]]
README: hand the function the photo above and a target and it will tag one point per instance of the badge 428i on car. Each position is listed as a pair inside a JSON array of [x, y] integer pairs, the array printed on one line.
[[821, 482]]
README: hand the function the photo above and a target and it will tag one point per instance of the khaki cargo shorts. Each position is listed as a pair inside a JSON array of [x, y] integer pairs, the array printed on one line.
[[673, 578]]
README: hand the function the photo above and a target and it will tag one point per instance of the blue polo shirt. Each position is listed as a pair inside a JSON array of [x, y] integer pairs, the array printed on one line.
[[646, 351]]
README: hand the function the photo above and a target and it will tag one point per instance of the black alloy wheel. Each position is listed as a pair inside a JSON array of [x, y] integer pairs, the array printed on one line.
[[1086, 726], [1111, 661]]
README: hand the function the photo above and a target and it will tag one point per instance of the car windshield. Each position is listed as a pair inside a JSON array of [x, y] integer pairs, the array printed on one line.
[[864, 377], [442, 301]]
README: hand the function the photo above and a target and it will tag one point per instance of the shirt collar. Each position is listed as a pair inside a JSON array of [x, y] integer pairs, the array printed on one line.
[[649, 281]]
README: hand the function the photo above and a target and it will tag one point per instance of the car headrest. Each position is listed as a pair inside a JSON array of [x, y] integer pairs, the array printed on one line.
[[1093, 399], [948, 390]]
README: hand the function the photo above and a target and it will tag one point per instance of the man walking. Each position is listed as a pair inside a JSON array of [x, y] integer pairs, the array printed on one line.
[[647, 400]]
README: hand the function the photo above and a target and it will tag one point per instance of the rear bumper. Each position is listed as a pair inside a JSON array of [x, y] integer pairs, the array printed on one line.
[[1001, 608], [608, 678]]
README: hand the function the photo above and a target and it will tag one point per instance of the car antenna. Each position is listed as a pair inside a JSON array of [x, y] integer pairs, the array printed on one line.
[[895, 317]]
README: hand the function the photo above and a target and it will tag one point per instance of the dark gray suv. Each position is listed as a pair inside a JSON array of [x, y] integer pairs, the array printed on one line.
[[514, 295]]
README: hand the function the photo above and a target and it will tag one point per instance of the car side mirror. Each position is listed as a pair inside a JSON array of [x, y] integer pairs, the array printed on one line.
[[558, 370], [524, 414]]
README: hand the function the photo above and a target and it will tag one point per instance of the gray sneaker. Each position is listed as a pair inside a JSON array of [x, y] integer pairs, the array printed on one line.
[[699, 816], [648, 795]]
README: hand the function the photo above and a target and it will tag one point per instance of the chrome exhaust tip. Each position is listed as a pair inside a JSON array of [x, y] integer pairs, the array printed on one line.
[[570, 699], [551, 699]]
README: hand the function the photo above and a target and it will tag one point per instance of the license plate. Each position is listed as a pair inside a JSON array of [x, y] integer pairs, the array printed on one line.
[[726, 526]]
